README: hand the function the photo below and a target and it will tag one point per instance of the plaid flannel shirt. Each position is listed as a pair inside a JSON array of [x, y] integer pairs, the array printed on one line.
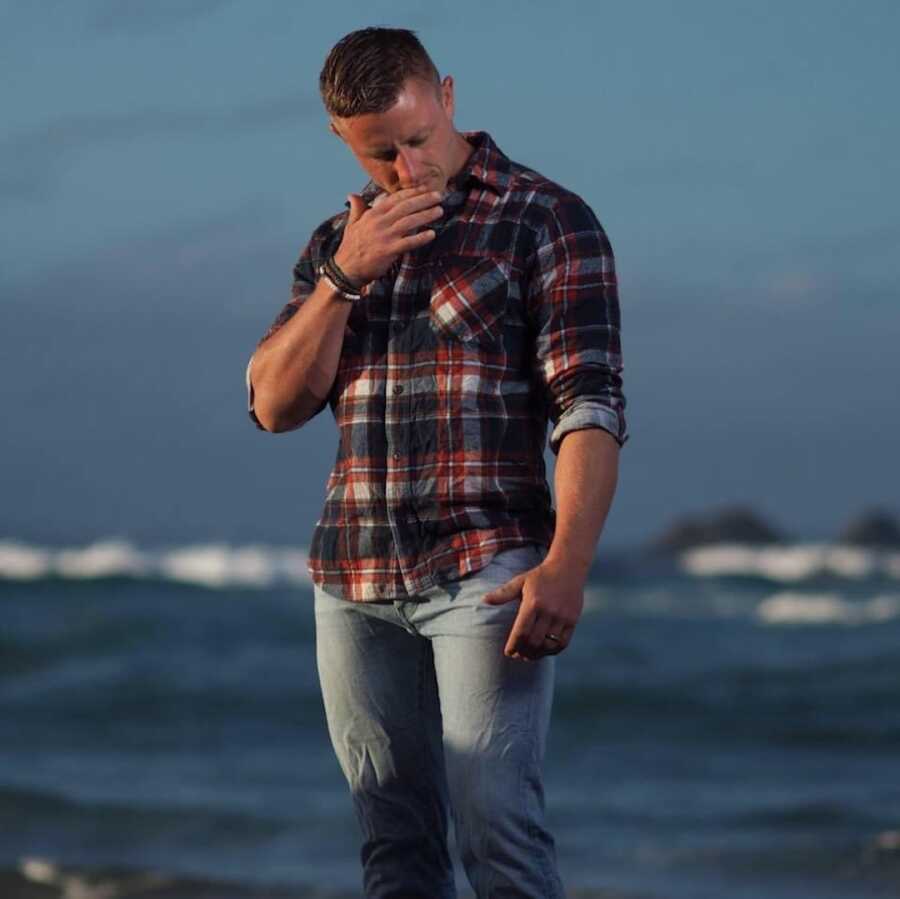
[[452, 363]]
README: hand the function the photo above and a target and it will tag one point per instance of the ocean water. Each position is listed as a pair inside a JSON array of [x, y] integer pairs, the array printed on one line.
[[726, 724]]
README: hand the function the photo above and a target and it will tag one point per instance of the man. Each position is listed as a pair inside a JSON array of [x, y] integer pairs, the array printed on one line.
[[461, 301]]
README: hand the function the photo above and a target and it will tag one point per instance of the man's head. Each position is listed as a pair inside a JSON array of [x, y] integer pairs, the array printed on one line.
[[387, 102]]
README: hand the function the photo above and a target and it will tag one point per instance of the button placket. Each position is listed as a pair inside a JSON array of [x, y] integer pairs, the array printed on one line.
[[398, 390], [397, 435], [396, 327]]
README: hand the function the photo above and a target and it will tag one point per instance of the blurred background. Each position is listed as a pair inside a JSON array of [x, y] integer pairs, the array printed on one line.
[[728, 718]]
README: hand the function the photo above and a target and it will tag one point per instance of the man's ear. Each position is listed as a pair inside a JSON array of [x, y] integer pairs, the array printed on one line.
[[447, 96], [334, 130]]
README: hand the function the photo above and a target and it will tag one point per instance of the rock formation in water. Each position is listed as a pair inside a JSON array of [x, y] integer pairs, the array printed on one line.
[[729, 524], [874, 528]]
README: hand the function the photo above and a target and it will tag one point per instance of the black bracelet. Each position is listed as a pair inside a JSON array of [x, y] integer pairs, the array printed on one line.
[[337, 275], [352, 295]]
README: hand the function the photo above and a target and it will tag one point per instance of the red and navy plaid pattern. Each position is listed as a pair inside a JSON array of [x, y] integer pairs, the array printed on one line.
[[451, 366]]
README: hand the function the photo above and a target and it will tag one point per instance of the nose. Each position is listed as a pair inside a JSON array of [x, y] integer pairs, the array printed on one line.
[[407, 168]]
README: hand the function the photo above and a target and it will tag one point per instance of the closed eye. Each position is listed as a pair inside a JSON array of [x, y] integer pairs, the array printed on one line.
[[390, 155]]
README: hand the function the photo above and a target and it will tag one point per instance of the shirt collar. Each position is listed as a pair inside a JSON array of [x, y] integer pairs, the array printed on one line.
[[487, 165]]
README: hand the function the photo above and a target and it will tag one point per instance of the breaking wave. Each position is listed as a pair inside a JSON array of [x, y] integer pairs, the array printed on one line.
[[792, 563], [212, 565], [826, 608]]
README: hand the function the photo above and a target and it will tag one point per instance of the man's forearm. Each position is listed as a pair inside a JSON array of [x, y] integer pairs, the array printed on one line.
[[292, 371], [587, 468]]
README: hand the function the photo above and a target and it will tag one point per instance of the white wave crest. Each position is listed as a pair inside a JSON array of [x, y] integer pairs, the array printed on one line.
[[223, 566], [790, 607], [209, 565], [108, 558], [19, 562], [797, 562], [87, 884]]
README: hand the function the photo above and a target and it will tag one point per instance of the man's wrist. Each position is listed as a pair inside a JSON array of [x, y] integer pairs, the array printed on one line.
[[567, 564], [345, 295], [342, 276], [331, 273]]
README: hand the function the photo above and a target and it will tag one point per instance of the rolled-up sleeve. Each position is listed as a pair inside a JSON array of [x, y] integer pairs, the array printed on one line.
[[574, 306], [303, 285]]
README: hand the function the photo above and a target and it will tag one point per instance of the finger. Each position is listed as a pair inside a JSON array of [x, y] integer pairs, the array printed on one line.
[[387, 202], [538, 643], [554, 647], [505, 592], [417, 219], [519, 631], [409, 205], [535, 641], [548, 649], [405, 244], [406, 192], [357, 208]]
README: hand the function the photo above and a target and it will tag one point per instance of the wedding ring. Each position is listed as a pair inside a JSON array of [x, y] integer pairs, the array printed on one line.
[[553, 637]]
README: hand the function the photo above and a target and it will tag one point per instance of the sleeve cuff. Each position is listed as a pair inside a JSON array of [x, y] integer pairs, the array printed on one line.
[[587, 415], [250, 408]]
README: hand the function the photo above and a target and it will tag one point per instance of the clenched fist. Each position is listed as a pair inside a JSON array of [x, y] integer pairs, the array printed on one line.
[[374, 237]]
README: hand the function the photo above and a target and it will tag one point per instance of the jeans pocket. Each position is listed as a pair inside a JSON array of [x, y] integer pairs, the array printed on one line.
[[518, 559]]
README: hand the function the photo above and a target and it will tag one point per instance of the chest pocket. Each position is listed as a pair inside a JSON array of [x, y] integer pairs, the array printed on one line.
[[468, 299]]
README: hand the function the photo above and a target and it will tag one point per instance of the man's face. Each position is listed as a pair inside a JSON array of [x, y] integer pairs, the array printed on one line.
[[411, 144]]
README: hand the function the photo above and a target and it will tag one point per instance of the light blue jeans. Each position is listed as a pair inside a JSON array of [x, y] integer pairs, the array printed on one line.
[[425, 713]]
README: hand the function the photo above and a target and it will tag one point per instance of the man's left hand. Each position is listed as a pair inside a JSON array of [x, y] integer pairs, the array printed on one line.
[[552, 600]]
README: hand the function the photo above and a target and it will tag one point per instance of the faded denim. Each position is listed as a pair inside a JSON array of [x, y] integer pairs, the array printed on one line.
[[427, 716]]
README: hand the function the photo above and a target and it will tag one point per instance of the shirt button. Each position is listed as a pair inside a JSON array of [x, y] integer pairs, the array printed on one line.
[[398, 389]]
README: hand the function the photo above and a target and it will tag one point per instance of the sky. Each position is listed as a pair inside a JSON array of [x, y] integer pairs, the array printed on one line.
[[163, 163]]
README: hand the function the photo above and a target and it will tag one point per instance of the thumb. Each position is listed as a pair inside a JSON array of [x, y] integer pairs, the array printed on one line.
[[357, 208], [505, 592]]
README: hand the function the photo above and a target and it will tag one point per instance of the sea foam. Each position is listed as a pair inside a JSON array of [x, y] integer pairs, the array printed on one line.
[[791, 563], [210, 565], [826, 608]]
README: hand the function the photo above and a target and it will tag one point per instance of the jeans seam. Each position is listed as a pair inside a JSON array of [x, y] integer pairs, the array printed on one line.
[[428, 753], [532, 828]]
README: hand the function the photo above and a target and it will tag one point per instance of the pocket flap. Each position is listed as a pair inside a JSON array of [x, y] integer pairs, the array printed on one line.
[[468, 298]]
